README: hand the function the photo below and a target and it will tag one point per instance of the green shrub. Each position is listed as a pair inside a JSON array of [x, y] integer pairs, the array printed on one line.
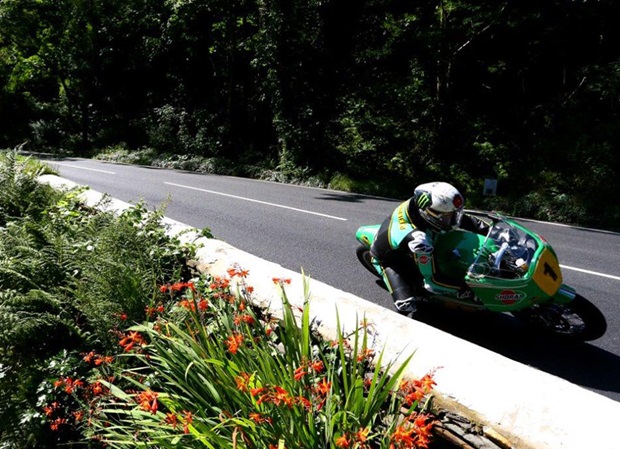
[[69, 276]]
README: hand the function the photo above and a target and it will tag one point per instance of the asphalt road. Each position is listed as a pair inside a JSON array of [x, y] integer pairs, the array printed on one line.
[[313, 230]]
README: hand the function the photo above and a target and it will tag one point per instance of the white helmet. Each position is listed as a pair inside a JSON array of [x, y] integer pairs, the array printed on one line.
[[440, 205]]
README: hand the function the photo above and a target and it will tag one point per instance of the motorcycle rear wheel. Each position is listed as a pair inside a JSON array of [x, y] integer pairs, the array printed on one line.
[[577, 320]]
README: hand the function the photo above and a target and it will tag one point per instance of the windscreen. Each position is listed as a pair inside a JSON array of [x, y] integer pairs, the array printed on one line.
[[508, 253]]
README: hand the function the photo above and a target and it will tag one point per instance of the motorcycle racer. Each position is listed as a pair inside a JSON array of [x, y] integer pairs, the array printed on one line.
[[404, 244]]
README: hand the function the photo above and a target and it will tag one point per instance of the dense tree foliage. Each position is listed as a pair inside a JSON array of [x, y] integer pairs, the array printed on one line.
[[381, 92]]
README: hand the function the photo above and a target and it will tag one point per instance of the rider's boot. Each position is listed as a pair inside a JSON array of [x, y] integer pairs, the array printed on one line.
[[406, 306], [405, 301]]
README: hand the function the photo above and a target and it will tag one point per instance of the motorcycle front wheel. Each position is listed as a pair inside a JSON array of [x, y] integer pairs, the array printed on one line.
[[577, 320]]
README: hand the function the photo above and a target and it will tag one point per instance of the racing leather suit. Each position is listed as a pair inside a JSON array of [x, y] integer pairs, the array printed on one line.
[[404, 250]]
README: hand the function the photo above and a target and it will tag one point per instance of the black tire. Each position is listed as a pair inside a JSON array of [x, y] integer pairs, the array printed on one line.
[[577, 320], [363, 255]]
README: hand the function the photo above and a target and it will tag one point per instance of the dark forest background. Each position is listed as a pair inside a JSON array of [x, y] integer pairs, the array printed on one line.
[[371, 96]]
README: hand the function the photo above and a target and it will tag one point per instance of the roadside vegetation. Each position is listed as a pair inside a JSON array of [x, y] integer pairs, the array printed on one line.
[[109, 339]]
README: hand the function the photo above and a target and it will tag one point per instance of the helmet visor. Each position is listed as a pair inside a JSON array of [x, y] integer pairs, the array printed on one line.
[[446, 220]]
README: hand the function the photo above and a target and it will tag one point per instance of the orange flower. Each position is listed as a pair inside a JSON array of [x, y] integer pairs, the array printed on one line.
[[233, 342], [403, 437], [48, 410], [131, 339], [317, 366], [415, 390], [335, 343], [71, 385], [343, 441], [264, 398], [428, 382], [415, 432], [97, 388], [54, 425], [188, 305], [172, 419], [257, 391], [275, 395], [242, 381], [304, 402], [100, 360], [424, 427], [365, 354], [300, 373], [260, 419], [219, 283], [280, 281], [281, 396], [416, 395], [243, 318], [232, 272], [89, 357], [361, 436], [323, 387], [188, 418], [148, 401], [177, 286]]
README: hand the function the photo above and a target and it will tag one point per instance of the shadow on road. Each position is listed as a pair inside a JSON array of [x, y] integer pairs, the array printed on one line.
[[342, 197], [581, 363]]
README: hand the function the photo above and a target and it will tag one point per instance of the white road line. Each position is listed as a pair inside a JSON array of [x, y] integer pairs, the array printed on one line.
[[84, 168], [591, 272], [254, 201]]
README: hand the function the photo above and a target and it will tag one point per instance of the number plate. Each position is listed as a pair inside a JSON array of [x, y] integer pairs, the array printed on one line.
[[548, 275]]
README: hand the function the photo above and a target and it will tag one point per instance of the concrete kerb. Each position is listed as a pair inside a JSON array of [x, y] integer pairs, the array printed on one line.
[[530, 408]]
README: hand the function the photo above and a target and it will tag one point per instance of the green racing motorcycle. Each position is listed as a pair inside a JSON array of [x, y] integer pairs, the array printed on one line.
[[511, 269]]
